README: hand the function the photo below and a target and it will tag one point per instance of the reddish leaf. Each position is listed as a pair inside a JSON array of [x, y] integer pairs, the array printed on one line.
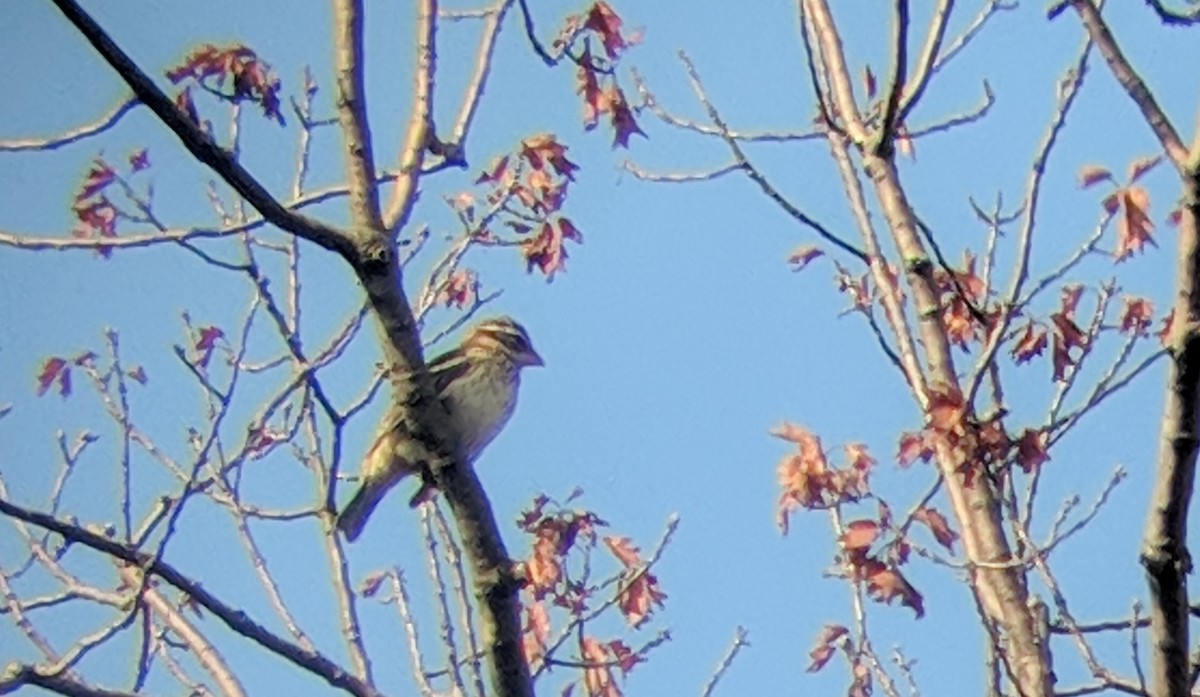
[[857, 288], [826, 645], [938, 525], [625, 656], [1031, 450], [531, 516], [97, 178], [543, 570], [251, 77], [1138, 314], [638, 597], [624, 123], [858, 458], [595, 98], [1133, 229], [139, 160], [1141, 166], [913, 447], [544, 149], [206, 343], [945, 409], [370, 585], [869, 82], [461, 289], [138, 374], [597, 676], [495, 172], [885, 584], [623, 549], [1112, 202], [1090, 175], [802, 255], [602, 20], [546, 251], [536, 631], [1164, 334], [1032, 343], [859, 536], [54, 370]]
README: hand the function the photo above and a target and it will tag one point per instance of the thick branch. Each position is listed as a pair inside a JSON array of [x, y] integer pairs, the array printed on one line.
[[1097, 28], [235, 619], [199, 144], [352, 113]]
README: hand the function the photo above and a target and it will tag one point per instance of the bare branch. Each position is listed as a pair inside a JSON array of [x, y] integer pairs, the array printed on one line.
[[756, 176], [420, 120], [234, 618], [200, 145], [352, 113], [74, 135], [740, 641]]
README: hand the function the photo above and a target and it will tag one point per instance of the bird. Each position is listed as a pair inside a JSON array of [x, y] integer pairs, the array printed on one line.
[[477, 381]]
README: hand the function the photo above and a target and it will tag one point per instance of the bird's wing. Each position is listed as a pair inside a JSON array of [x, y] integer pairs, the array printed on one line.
[[447, 368]]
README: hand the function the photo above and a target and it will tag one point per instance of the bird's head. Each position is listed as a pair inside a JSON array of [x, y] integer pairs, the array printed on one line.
[[502, 336]]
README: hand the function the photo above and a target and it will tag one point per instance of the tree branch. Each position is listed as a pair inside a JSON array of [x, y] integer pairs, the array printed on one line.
[[235, 619], [200, 145]]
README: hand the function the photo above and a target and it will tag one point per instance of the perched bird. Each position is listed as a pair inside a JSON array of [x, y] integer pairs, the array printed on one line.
[[477, 381]]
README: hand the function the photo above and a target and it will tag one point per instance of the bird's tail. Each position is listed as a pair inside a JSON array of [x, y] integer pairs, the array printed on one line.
[[381, 469], [354, 516]]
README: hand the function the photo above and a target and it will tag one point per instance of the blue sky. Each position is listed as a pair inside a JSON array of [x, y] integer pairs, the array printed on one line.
[[675, 341]]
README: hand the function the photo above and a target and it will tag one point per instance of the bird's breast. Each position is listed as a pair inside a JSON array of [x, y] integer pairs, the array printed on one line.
[[483, 405]]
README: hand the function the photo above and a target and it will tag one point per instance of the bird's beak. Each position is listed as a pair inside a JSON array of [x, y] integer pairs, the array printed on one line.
[[532, 358]]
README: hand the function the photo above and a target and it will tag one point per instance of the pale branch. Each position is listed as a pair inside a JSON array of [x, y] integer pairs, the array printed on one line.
[[905, 356], [1106, 684], [884, 139], [817, 74], [269, 583], [352, 114], [237, 620], [956, 46], [755, 175], [74, 135], [862, 638], [835, 71], [205, 653], [303, 110], [420, 129], [915, 87], [741, 640], [1070, 86], [1000, 592], [961, 119], [402, 602], [16, 675], [1165, 555], [466, 612], [479, 78], [343, 590], [1129, 78], [674, 177], [201, 146], [440, 587], [649, 101]]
